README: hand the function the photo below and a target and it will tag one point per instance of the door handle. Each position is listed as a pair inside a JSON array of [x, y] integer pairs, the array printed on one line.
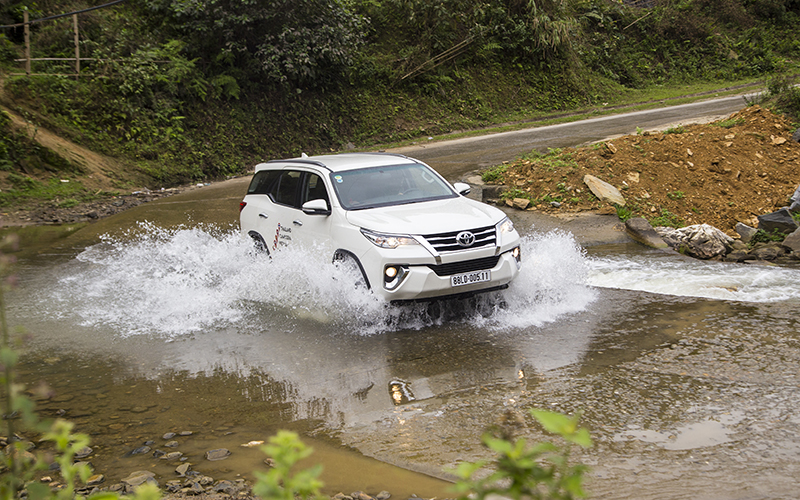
[[263, 215], [297, 222]]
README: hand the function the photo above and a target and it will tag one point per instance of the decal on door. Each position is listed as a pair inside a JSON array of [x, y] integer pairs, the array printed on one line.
[[280, 236]]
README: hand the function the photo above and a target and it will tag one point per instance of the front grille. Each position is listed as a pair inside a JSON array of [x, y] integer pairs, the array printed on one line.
[[446, 242], [465, 266]]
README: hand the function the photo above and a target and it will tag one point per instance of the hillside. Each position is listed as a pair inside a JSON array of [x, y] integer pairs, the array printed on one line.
[[719, 173]]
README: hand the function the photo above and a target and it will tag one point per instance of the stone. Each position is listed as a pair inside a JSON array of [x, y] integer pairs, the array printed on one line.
[[796, 135], [171, 444], [745, 231], [383, 495], [781, 220], [603, 190], [83, 452], [174, 455], [95, 479], [739, 256], [138, 478], [793, 241], [225, 486], [194, 488], [218, 454], [168, 435], [555, 204], [140, 450], [642, 232], [768, 252], [521, 203], [700, 240], [182, 469], [186, 433]]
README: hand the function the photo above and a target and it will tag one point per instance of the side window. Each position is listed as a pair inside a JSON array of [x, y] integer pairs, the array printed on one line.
[[285, 192], [315, 190], [263, 181]]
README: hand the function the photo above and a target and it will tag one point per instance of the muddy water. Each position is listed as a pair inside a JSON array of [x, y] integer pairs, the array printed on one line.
[[183, 329]]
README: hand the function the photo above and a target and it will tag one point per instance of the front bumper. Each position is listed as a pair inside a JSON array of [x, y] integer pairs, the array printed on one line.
[[421, 281]]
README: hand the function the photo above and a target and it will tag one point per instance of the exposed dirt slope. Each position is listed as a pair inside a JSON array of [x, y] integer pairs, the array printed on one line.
[[720, 173]]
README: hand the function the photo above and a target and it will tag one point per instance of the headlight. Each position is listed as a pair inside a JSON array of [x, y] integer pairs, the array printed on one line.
[[389, 240], [505, 226]]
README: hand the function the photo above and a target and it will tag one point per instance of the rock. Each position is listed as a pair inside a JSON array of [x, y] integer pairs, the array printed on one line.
[[555, 204], [739, 256], [341, 496], [796, 135], [745, 231], [168, 435], [225, 486], [174, 455], [768, 251], [701, 240], [642, 232], [218, 454], [140, 450], [793, 241], [186, 433], [171, 444], [521, 203], [383, 495], [83, 452], [603, 190], [138, 478], [492, 191], [781, 220], [205, 480], [95, 479], [795, 199], [173, 485], [182, 469], [194, 488]]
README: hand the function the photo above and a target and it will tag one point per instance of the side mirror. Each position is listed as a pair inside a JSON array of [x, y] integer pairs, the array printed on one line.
[[316, 207], [462, 188]]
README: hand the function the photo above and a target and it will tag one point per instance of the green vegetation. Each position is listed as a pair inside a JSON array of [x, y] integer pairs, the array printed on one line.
[[520, 471], [494, 174], [666, 219], [676, 195], [187, 93], [762, 236]]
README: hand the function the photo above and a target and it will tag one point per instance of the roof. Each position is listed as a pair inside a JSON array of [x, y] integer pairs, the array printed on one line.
[[342, 162]]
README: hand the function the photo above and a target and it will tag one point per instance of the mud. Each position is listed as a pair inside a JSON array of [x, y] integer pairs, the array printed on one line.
[[720, 173]]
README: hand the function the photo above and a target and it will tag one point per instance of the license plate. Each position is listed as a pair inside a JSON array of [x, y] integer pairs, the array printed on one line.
[[470, 278]]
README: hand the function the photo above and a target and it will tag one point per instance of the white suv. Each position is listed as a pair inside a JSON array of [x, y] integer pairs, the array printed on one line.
[[408, 231]]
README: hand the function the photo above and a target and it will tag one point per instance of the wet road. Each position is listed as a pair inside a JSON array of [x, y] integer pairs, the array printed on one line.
[[175, 325]]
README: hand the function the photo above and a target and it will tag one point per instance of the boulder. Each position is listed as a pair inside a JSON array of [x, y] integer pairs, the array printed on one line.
[[701, 240], [642, 232], [781, 220], [796, 135], [793, 241], [795, 200], [768, 251], [521, 203], [603, 190], [745, 231]]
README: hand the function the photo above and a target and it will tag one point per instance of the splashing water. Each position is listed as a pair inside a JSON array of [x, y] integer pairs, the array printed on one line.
[[668, 274], [177, 281]]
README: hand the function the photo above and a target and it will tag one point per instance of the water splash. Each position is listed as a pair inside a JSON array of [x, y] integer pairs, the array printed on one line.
[[676, 275], [178, 281]]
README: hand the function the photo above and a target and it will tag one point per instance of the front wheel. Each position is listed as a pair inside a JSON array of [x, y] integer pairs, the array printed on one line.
[[258, 241], [350, 264]]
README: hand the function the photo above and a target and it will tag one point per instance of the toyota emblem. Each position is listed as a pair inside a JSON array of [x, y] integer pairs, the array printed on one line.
[[465, 239]]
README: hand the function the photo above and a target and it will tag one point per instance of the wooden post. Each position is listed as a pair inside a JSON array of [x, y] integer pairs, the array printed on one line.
[[27, 42], [77, 47]]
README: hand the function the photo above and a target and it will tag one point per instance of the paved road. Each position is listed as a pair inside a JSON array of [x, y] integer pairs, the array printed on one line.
[[452, 158]]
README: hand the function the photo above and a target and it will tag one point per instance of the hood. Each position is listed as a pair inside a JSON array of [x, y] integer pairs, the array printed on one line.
[[430, 217]]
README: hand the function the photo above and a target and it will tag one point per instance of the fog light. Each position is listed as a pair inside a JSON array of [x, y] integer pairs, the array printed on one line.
[[517, 254], [393, 276]]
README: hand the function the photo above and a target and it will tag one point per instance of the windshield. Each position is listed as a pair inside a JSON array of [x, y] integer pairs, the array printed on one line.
[[384, 186]]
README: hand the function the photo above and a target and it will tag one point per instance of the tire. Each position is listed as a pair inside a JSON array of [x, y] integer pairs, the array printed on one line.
[[260, 244], [350, 263]]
